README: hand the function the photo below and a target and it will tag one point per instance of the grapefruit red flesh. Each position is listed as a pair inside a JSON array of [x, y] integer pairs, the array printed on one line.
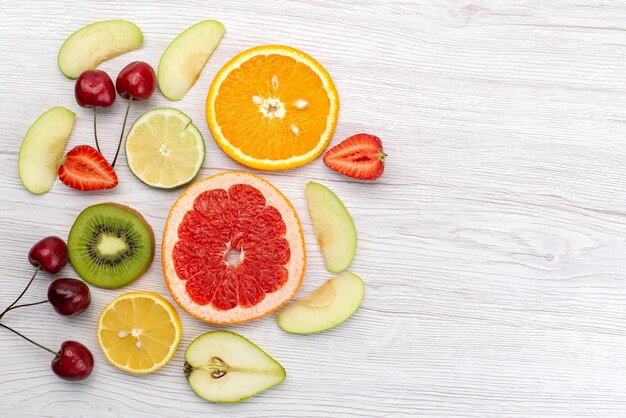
[[222, 216]]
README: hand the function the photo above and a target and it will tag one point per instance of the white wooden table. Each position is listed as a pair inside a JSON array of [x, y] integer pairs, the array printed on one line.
[[493, 248]]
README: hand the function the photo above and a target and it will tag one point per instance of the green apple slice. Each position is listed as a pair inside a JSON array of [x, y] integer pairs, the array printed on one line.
[[333, 225], [328, 306], [86, 48], [225, 367], [42, 148], [184, 58]]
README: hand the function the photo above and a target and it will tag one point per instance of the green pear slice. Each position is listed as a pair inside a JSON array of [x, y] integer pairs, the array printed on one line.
[[333, 225], [225, 367], [184, 58], [86, 48], [328, 306], [42, 148]]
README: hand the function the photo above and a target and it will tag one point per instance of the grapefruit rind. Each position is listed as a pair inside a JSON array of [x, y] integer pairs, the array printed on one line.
[[294, 235]]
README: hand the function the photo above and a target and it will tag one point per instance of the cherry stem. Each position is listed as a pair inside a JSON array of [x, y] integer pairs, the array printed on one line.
[[21, 294], [95, 132], [27, 304], [13, 306], [119, 144], [54, 353]]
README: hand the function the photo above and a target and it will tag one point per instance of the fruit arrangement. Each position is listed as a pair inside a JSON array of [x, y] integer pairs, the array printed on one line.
[[233, 248]]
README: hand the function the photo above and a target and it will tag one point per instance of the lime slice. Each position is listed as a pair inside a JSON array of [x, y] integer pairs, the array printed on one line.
[[164, 148]]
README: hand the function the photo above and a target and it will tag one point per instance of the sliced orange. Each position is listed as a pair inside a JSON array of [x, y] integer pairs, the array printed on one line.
[[272, 107]]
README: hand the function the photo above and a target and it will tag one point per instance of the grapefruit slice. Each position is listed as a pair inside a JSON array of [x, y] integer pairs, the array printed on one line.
[[233, 249]]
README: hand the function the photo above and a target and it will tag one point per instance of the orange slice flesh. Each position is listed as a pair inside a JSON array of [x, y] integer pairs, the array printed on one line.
[[272, 107]]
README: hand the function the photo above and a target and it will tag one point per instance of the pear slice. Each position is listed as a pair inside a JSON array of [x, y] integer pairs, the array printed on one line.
[[184, 58], [42, 148], [86, 48], [333, 225], [328, 306], [225, 367]]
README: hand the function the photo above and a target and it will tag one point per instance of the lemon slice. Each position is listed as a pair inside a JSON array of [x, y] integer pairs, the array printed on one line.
[[164, 148], [139, 332]]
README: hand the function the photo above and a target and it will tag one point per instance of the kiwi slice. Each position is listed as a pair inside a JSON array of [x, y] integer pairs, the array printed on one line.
[[110, 245]]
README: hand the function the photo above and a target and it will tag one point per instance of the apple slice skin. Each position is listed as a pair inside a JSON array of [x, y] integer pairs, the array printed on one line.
[[330, 305], [214, 349], [86, 48], [333, 225], [42, 148], [185, 57]]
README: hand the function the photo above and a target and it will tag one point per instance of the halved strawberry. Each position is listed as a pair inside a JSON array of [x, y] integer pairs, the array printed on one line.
[[361, 156], [84, 168]]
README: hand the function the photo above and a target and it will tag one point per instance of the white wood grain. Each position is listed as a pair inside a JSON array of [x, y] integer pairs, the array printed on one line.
[[493, 248]]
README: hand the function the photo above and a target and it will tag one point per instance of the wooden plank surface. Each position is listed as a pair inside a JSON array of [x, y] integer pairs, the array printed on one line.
[[493, 248]]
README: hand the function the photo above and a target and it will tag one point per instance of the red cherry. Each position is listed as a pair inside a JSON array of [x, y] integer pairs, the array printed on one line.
[[94, 89], [69, 297], [136, 80], [50, 254], [73, 362]]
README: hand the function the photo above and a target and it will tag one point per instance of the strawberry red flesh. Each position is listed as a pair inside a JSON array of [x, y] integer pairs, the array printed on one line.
[[85, 168], [361, 157]]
